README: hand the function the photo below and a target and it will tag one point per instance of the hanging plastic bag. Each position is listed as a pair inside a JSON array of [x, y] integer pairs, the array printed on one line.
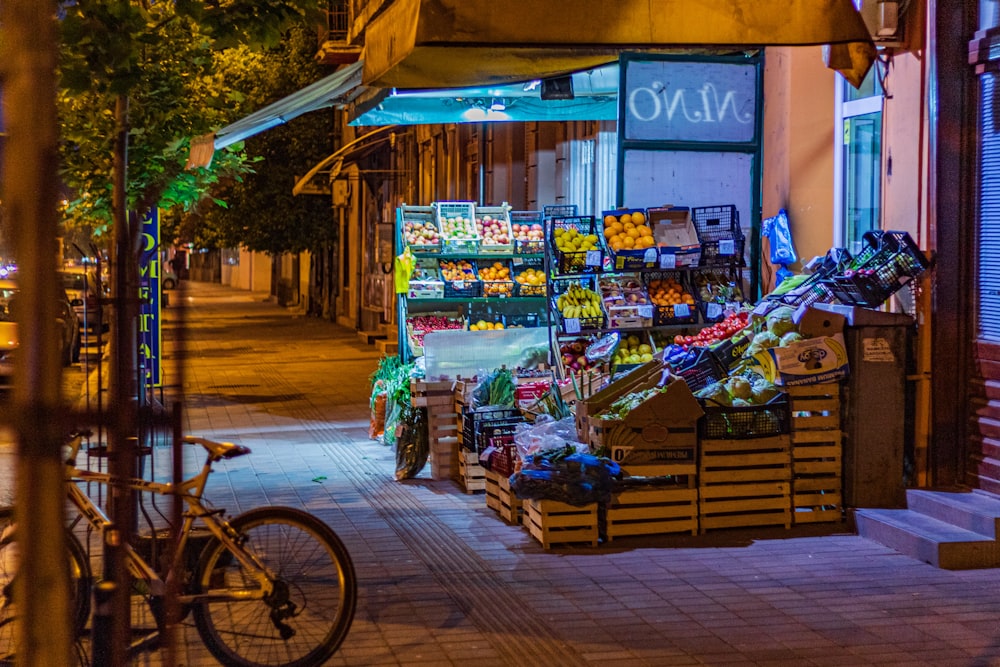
[[413, 444], [403, 269], [393, 419], [778, 232]]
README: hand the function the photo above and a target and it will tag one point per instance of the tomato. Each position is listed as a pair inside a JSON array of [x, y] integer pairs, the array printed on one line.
[[689, 340], [678, 339]]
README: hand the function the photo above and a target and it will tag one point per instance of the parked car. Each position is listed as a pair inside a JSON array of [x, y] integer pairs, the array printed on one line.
[[84, 288], [68, 327]]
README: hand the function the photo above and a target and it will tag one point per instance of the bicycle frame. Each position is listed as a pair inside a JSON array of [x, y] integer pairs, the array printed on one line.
[[191, 491]]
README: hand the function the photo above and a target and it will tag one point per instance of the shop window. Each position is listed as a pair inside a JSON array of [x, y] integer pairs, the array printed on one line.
[[858, 207], [988, 202]]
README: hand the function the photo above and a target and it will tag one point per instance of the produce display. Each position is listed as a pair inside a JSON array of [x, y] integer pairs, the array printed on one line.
[[668, 292], [579, 302], [419, 234], [570, 239], [483, 325], [496, 279], [458, 228], [532, 282], [420, 325], [493, 231], [715, 333], [716, 286], [632, 350], [525, 232], [574, 355], [457, 270], [628, 231]]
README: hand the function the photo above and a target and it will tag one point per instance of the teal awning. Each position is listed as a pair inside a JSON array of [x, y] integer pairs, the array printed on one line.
[[594, 97], [339, 88]]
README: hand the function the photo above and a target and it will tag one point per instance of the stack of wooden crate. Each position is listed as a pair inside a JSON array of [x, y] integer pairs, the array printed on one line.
[[501, 499], [745, 482], [817, 462], [555, 523], [439, 399]]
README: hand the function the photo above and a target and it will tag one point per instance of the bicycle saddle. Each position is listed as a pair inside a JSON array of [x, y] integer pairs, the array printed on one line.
[[218, 450]]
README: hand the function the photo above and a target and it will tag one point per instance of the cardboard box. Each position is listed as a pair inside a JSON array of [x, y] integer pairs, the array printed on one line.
[[820, 358], [676, 237], [661, 430]]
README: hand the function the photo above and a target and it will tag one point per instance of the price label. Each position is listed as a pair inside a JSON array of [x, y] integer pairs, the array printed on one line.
[[668, 261], [762, 307], [649, 257], [646, 311], [459, 284], [713, 310], [518, 261], [572, 325], [682, 310], [727, 247], [593, 258]]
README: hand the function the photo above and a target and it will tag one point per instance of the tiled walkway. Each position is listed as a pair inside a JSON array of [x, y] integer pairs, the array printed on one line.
[[443, 581]]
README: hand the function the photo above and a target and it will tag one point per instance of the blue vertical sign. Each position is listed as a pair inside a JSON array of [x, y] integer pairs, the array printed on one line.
[[149, 299]]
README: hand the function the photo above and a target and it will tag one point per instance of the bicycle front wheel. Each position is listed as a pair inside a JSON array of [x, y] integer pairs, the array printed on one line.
[[310, 608], [10, 560]]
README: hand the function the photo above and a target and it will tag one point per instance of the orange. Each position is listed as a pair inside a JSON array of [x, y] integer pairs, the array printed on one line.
[[608, 219], [609, 232], [644, 230], [638, 217], [628, 242], [633, 233], [625, 218]]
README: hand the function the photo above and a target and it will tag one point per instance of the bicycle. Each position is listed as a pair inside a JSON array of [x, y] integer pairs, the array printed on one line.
[[273, 587]]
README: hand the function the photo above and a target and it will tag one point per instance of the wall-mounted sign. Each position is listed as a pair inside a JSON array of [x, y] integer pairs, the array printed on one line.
[[675, 100], [149, 300]]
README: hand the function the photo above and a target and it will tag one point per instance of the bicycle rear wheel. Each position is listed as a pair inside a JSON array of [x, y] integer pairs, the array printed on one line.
[[310, 609], [79, 571]]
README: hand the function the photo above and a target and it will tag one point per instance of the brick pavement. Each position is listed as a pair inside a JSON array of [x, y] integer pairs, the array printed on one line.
[[442, 581]]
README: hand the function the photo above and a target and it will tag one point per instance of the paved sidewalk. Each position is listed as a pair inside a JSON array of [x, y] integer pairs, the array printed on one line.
[[443, 581]]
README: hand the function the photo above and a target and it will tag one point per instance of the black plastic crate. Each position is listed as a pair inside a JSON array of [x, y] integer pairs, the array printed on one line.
[[665, 315], [698, 369], [473, 422], [813, 290], [722, 422], [718, 228], [560, 211], [534, 247], [575, 262], [893, 266]]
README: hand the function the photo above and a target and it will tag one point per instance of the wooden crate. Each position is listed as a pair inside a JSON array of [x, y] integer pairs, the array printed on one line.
[[471, 475], [554, 523], [744, 483], [442, 429], [817, 453], [501, 499], [653, 511]]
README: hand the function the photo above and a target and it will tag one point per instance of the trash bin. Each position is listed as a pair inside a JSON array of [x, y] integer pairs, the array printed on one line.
[[875, 408]]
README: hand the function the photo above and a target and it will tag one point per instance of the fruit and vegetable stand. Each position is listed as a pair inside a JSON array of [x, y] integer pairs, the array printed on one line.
[[735, 422]]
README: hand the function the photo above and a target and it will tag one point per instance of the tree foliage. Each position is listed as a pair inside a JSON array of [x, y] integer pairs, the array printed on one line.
[[262, 215], [162, 56]]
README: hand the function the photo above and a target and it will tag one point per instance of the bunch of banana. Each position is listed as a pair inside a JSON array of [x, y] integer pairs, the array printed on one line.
[[579, 302]]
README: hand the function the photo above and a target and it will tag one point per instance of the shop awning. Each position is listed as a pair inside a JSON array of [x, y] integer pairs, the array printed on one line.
[[458, 43], [338, 88], [330, 167], [594, 96]]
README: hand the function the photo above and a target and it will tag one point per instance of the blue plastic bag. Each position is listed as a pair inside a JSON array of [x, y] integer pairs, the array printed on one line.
[[779, 233]]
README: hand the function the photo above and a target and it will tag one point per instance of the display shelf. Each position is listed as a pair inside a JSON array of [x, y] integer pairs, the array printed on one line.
[[472, 299]]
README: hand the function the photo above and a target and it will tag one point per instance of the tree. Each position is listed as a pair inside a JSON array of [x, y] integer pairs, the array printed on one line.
[[136, 79], [261, 214]]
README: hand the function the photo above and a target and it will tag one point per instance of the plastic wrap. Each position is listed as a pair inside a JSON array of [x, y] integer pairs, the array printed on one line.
[[413, 444], [565, 475]]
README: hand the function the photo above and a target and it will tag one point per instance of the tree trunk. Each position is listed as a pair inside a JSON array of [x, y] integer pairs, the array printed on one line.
[[30, 186]]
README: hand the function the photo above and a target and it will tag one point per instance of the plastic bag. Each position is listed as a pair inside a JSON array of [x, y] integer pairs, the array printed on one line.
[[376, 424], [567, 476], [778, 232], [413, 444], [547, 433], [393, 417]]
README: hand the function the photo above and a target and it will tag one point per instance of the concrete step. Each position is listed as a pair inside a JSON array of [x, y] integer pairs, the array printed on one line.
[[369, 337], [387, 346], [928, 539], [975, 511]]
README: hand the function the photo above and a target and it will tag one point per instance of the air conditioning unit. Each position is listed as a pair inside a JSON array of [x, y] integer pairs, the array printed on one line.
[[885, 19]]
